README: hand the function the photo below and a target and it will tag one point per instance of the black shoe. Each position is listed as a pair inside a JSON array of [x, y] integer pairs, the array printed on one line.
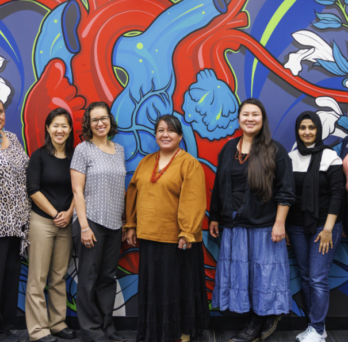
[[66, 334], [269, 325], [48, 338], [116, 337], [251, 331]]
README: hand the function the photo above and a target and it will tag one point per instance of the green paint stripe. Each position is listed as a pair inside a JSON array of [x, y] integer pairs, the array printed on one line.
[[85, 3], [55, 39], [124, 270], [203, 97], [192, 9], [219, 115], [37, 3], [3, 36], [277, 17]]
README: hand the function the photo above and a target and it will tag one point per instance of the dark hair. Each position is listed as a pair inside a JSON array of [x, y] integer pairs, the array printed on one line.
[[171, 121], [69, 144], [261, 165], [86, 121]]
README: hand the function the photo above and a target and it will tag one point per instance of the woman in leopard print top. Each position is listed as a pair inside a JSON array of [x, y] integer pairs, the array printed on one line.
[[14, 224]]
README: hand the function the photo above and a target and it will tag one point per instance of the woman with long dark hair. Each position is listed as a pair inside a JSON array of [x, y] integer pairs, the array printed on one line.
[[49, 186], [98, 179], [314, 223], [252, 193]]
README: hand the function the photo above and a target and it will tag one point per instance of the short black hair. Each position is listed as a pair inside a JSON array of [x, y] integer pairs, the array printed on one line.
[[172, 122]]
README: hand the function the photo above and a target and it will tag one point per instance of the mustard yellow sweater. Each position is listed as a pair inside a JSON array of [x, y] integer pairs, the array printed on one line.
[[171, 208]]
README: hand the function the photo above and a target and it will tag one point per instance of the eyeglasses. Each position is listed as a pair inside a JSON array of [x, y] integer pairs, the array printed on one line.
[[103, 119]]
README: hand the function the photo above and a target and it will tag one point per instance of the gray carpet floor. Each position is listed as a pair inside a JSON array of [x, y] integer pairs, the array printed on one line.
[[219, 336]]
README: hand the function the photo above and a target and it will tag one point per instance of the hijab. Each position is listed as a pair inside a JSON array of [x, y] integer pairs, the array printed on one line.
[[310, 190]]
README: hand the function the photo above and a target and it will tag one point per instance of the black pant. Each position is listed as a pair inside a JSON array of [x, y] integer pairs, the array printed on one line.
[[10, 269], [96, 289]]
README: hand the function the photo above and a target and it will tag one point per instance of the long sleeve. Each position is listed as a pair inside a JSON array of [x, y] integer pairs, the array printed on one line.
[[336, 186], [131, 205], [284, 179], [192, 202], [215, 202], [34, 173], [131, 201]]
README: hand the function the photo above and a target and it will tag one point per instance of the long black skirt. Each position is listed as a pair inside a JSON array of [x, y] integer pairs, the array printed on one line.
[[172, 293]]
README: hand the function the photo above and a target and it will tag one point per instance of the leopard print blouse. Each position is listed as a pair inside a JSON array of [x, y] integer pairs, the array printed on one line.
[[15, 204]]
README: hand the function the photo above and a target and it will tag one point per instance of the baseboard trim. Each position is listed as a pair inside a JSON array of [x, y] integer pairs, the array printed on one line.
[[216, 323]]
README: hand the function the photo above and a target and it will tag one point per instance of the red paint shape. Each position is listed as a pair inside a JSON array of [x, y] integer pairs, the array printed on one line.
[[98, 32], [52, 90]]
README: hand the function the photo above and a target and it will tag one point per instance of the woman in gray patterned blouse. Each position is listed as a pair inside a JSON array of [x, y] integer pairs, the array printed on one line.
[[98, 180], [14, 224]]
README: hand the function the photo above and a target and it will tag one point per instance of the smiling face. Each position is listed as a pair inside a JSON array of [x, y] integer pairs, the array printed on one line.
[[167, 139], [2, 116], [59, 130], [307, 132], [100, 122], [250, 119]]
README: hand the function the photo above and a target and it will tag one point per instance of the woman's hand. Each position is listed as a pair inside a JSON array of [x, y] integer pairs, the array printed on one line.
[[183, 244], [131, 237], [325, 237], [278, 232], [88, 238], [214, 229], [63, 219], [124, 234]]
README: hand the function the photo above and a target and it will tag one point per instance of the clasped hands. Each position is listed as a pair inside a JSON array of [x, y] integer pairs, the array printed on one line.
[[63, 219]]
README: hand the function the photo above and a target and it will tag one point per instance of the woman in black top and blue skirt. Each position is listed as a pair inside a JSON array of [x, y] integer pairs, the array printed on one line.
[[49, 186], [314, 222], [252, 193]]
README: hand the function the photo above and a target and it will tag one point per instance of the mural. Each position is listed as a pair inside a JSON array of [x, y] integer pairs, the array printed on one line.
[[197, 59]]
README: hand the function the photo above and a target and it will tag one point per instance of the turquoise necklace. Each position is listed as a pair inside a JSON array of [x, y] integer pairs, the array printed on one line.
[[1, 136]]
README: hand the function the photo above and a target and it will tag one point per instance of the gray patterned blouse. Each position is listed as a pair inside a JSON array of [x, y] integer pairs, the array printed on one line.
[[15, 205], [105, 183]]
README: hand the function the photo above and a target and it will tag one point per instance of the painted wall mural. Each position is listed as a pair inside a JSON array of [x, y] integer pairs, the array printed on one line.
[[197, 59]]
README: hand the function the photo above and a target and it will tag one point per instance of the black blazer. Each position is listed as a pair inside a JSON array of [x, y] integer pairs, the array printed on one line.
[[344, 152], [253, 212]]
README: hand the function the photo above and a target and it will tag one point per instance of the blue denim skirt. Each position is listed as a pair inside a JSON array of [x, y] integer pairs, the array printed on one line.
[[252, 273]]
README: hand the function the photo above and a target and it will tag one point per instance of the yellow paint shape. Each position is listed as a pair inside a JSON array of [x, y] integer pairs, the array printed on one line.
[[140, 46], [218, 116], [203, 97], [140, 60], [55, 21]]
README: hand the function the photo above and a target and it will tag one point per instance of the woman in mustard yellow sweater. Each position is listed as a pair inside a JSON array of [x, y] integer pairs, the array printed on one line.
[[165, 207]]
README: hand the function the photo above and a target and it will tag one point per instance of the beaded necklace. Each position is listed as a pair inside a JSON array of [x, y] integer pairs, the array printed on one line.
[[239, 154], [1, 136], [156, 176]]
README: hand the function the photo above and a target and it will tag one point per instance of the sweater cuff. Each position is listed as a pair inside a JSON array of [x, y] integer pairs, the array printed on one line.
[[188, 237], [335, 207], [214, 217], [129, 226]]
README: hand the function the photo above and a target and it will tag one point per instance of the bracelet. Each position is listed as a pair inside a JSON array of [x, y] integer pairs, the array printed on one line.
[[56, 215], [85, 230]]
